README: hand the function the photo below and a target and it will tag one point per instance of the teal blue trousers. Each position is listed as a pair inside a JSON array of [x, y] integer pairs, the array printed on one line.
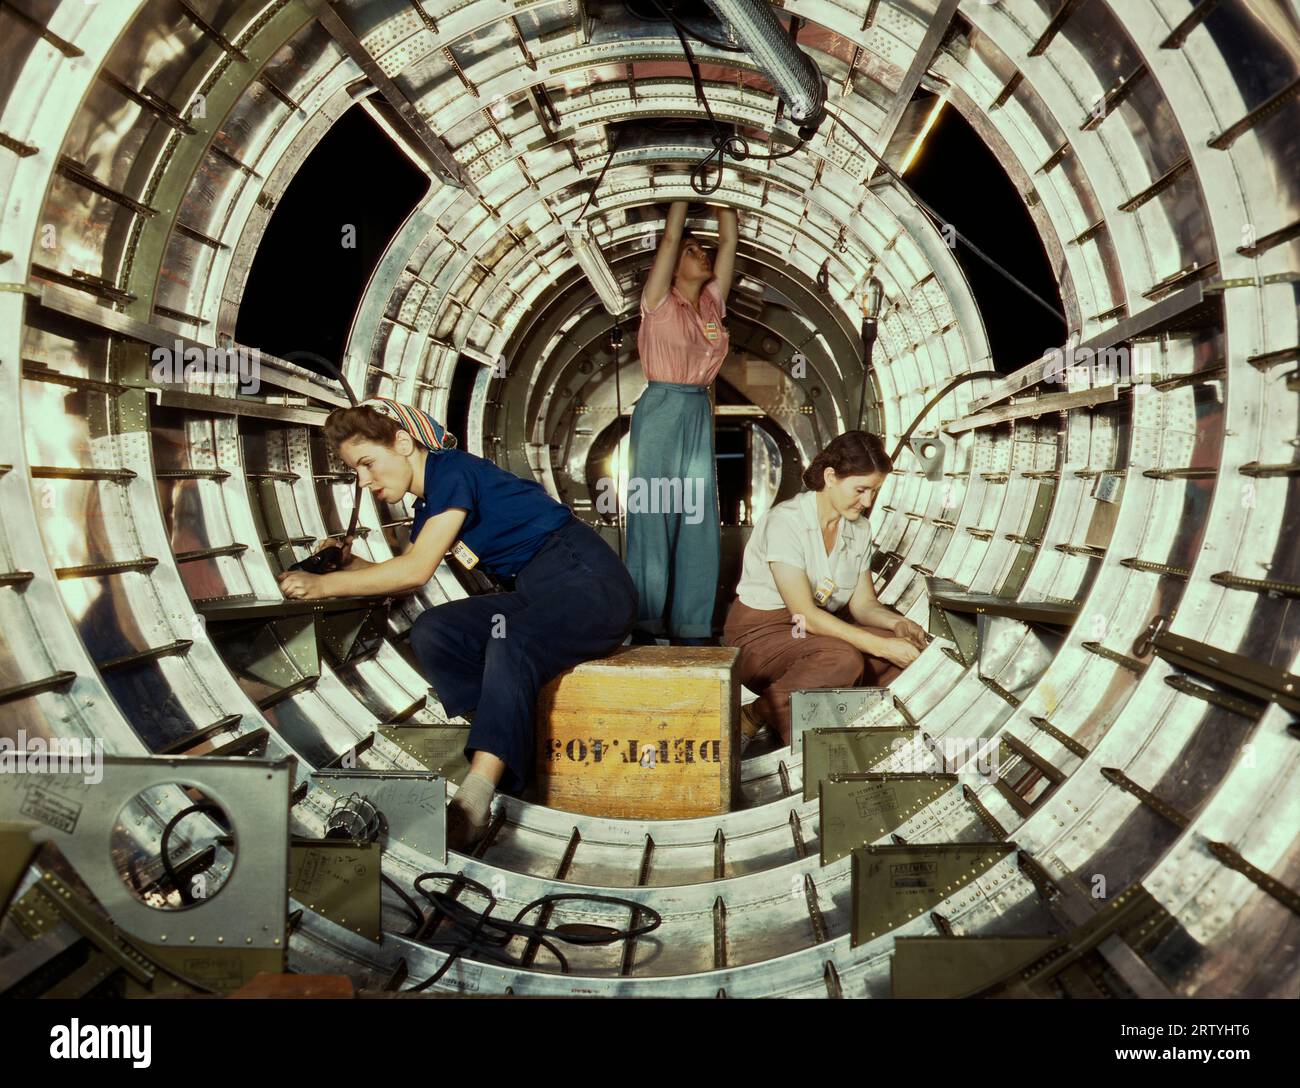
[[673, 538]]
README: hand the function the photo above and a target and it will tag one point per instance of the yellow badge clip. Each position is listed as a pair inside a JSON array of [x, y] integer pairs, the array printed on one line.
[[465, 555], [824, 589], [711, 330]]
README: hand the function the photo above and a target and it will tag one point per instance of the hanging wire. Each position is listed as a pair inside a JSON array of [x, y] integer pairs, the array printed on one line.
[[866, 379], [212, 809], [724, 144], [613, 148], [616, 342]]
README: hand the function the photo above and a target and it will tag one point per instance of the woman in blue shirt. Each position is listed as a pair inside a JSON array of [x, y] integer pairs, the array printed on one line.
[[573, 599]]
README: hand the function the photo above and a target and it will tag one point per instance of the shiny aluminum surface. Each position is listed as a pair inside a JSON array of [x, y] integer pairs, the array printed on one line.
[[1150, 508]]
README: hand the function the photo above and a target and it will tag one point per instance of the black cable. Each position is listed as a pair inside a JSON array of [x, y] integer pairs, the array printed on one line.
[[456, 913], [613, 147], [202, 806], [492, 943], [870, 333], [474, 931], [734, 144], [959, 380], [938, 221], [616, 342], [411, 904]]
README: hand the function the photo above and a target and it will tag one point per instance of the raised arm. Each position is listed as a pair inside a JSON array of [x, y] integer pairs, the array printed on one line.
[[660, 280], [724, 267]]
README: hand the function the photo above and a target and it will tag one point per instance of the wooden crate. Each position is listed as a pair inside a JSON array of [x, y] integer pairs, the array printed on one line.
[[650, 732]]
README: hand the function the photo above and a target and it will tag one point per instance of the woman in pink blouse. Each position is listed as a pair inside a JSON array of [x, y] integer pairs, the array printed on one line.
[[674, 545]]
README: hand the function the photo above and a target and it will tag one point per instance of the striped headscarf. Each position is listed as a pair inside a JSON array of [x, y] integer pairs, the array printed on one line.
[[421, 426]]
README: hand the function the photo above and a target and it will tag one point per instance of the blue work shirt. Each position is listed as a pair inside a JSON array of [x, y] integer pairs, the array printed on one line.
[[507, 519]]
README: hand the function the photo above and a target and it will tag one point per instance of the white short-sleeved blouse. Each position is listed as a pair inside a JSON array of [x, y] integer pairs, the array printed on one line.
[[789, 533]]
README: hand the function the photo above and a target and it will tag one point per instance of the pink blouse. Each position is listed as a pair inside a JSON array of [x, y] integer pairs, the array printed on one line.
[[679, 345]]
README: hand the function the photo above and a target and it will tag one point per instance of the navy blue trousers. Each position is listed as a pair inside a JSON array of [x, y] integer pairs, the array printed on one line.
[[572, 602]]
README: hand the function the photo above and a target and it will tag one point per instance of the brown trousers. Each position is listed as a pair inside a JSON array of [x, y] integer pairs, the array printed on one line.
[[774, 663]]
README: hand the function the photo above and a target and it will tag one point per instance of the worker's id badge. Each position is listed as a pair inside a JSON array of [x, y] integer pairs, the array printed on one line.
[[711, 330], [824, 589], [465, 555]]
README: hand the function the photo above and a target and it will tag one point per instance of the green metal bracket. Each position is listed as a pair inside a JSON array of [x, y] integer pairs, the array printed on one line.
[[17, 848], [346, 635], [441, 748], [961, 630], [958, 966], [830, 708], [278, 650], [853, 750], [339, 879], [857, 809], [891, 885], [1019, 572]]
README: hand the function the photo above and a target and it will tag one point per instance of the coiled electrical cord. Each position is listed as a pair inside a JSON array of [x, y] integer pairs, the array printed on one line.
[[212, 809], [486, 937], [724, 144], [411, 905]]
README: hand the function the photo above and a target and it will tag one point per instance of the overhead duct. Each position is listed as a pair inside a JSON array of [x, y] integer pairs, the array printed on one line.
[[1099, 766], [792, 71]]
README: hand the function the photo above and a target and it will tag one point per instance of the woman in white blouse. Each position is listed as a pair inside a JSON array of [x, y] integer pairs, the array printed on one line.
[[806, 613]]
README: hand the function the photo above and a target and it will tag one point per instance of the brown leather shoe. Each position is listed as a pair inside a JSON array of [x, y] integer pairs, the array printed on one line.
[[750, 723]]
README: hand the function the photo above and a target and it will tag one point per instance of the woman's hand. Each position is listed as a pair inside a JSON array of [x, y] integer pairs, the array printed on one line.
[[910, 630], [353, 562], [898, 651], [301, 586]]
